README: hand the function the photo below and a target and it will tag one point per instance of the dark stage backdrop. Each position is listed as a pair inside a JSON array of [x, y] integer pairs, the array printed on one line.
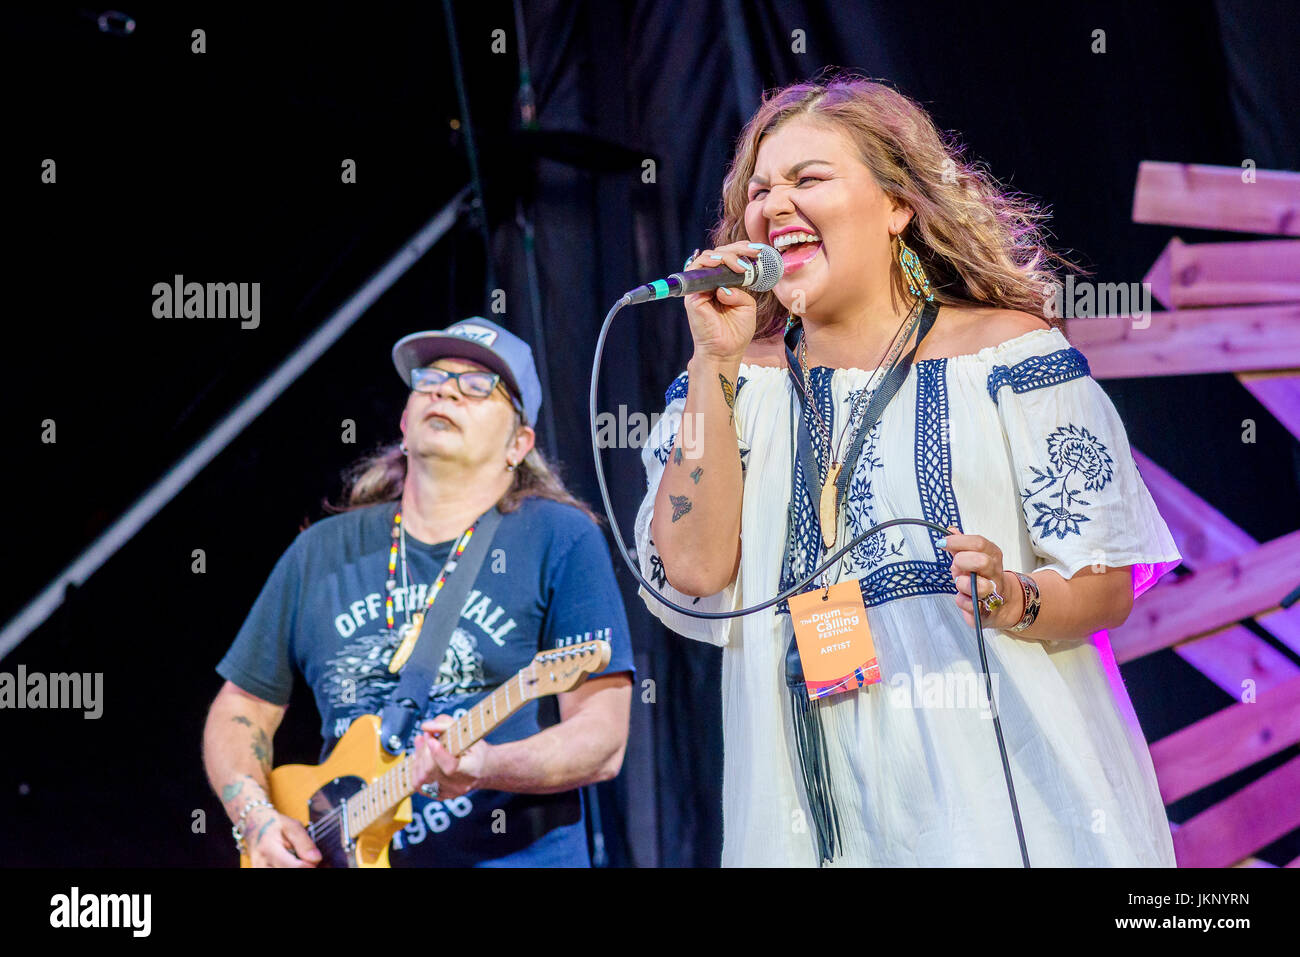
[[225, 166]]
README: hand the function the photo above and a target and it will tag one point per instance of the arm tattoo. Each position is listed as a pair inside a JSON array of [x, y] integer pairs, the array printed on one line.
[[229, 792], [262, 830], [262, 749], [681, 505], [677, 456], [729, 394], [261, 743], [697, 473]]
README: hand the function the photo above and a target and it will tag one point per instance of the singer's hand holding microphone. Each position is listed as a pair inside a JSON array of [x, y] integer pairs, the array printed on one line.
[[722, 323], [722, 319]]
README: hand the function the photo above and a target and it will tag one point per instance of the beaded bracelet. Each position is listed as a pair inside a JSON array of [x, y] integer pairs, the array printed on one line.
[[238, 830]]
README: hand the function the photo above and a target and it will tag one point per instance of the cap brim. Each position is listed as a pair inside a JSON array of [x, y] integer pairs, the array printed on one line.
[[420, 348]]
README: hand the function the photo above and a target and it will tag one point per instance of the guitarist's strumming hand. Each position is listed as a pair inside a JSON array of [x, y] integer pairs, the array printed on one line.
[[277, 840], [435, 764]]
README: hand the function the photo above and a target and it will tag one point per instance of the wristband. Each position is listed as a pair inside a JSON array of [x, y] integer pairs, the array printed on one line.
[[1033, 602]]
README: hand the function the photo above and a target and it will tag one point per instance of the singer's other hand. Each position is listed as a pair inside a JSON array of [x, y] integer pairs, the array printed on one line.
[[722, 323]]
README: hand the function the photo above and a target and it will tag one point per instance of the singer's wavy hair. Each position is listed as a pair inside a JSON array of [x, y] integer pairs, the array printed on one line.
[[381, 476], [979, 243]]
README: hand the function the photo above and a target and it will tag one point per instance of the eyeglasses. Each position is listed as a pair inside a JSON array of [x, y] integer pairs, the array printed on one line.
[[472, 383]]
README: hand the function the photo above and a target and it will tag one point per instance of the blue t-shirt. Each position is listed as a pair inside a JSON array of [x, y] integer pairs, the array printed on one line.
[[546, 582]]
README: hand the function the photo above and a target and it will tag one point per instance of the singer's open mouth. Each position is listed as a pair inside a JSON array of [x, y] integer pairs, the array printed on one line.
[[797, 246], [797, 255]]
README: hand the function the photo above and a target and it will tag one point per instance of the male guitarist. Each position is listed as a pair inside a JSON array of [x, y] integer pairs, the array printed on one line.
[[350, 593]]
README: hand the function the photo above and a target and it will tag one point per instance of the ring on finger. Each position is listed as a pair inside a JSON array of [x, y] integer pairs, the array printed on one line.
[[992, 601]]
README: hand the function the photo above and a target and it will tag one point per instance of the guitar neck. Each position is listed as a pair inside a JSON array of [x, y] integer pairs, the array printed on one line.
[[384, 793], [551, 672]]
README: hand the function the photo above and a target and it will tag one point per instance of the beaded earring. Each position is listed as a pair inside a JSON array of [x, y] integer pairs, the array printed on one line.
[[918, 283]]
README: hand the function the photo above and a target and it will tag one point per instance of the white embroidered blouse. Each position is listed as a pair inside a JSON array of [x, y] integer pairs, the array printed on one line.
[[1016, 443]]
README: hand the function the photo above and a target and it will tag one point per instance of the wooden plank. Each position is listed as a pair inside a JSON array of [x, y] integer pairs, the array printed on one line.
[[1209, 600], [1217, 197], [1205, 536], [1279, 392], [1190, 341], [1226, 274], [1236, 827], [1224, 743], [1235, 656], [1160, 277]]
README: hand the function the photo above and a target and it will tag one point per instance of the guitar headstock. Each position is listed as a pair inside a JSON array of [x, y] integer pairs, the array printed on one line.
[[563, 669]]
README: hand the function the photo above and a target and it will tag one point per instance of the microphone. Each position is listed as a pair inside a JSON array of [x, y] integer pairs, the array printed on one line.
[[759, 276]]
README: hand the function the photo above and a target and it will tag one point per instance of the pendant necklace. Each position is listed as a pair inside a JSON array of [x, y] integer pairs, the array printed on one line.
[[828, 507]]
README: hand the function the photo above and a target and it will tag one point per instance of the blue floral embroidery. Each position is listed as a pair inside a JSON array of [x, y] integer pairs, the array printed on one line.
[[1071, 450], [677, 390], [657, 573], [663, 451], [933, 453], [1038, 372], [859, 513], [803, 542], [804, 548]]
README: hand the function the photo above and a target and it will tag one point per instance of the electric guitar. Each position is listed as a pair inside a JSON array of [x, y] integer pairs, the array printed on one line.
[[353, 803]]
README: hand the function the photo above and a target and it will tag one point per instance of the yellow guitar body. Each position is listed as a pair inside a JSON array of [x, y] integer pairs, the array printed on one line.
[[358, 755], [314, 795]]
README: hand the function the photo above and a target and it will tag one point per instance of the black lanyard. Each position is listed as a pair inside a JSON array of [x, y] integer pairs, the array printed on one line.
[[892, 382]]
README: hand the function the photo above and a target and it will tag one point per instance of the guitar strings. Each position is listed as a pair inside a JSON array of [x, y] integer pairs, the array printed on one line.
[[330, 823]]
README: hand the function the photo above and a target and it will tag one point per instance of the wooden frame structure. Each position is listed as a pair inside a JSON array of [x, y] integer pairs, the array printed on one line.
[[1232, 307]]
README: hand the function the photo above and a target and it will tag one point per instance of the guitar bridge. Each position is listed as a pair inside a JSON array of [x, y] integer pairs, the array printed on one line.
[[345, 839]]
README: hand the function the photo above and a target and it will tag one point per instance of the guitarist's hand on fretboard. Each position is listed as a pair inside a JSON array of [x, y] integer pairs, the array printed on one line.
[[434, 763]]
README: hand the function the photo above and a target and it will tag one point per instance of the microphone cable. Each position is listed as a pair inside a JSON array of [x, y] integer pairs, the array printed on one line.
[[798, 586]]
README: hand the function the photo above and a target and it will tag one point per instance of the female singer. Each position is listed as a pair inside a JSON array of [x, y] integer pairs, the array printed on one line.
[[895, 247]]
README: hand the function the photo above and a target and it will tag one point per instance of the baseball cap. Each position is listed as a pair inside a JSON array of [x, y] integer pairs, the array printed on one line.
[[479, 340]]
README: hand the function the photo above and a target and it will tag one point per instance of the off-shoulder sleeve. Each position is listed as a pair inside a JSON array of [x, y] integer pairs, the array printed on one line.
[[654, 456], [1083, 499]]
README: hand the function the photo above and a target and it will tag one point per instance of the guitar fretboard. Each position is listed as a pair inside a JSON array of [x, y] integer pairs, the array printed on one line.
[[384, 793]]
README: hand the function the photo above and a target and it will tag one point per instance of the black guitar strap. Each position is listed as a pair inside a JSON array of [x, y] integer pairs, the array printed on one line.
[[406, 704]]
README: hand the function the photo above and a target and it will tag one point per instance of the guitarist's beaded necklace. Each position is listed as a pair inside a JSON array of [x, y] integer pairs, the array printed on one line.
[[410, 631]]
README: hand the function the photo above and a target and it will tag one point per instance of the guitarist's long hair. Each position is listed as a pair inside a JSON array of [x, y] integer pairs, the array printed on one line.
[[380, 477]]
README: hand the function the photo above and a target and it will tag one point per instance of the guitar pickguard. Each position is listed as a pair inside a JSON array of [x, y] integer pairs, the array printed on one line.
[[329, 836]]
